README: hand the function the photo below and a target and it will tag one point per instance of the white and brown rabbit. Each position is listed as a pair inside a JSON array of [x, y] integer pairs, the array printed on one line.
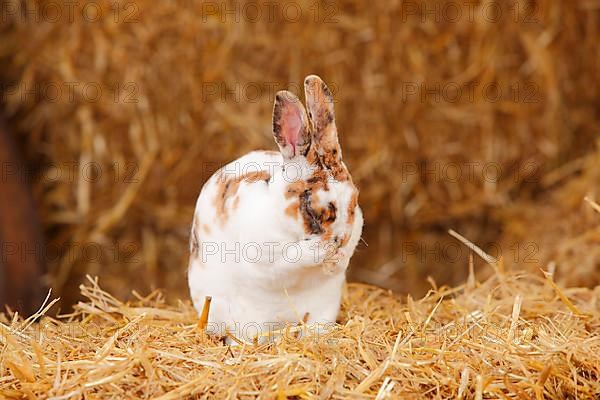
[[273, 232]]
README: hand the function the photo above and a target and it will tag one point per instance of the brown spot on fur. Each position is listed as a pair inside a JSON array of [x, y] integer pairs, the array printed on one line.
[[317, 220], [323, 122], [328, 218], [206, 228], [334, 163], [312, 223], [303, 191], [345, 240], [194, 242], [330, 212], [228, 187], [319, 180], [295, 188], [256, 176], [293, 209], [352, 208], [320, 103]]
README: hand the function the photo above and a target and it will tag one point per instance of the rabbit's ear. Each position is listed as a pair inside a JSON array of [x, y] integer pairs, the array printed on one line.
[[290, 126], [319, 102]]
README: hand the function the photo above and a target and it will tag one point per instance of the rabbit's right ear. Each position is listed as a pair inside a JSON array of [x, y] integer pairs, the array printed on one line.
[[290, 125]]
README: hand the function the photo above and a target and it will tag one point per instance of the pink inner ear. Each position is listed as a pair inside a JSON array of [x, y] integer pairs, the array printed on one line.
[[292, 123]]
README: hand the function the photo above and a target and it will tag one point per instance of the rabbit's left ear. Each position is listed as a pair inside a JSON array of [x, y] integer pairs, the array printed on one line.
[[319, 102], [290, 125]]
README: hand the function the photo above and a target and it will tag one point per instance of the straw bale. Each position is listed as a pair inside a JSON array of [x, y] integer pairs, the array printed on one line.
[[159, 129], [562, 229]]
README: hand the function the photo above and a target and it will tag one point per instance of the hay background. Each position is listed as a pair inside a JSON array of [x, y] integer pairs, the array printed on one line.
[[176, 137]]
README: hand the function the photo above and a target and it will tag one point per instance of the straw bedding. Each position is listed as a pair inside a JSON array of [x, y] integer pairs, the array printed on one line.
[[516, 335], [184, 91]]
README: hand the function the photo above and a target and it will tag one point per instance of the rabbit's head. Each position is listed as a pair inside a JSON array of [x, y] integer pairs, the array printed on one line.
[[323, 194]]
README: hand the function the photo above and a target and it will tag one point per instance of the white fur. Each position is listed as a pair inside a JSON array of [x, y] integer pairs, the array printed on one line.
[[257, 291]]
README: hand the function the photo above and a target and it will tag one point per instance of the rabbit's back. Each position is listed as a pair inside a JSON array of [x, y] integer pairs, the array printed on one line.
[[221, 196]]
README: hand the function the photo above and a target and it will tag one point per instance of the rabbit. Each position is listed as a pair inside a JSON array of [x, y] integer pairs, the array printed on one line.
[[273, 232]]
